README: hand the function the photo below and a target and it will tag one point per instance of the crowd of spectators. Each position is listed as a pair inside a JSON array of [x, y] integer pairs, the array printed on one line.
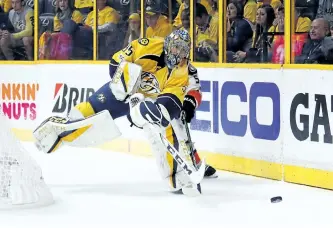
[[16, 29], [254, 29]]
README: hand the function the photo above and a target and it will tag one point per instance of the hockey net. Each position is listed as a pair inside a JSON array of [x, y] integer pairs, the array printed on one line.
[[21, 180]]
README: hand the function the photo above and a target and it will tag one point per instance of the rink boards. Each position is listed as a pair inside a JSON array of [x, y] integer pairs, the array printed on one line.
[[263, 122]]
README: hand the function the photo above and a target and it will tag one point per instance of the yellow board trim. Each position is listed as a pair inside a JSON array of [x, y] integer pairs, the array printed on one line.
[[17, 62], [259, 168], [23, 134], [293, 174], [308, 176], [308, 66], [226, 162]]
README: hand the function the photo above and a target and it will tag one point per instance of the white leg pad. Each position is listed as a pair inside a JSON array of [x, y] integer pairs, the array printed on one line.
[[99, 128]]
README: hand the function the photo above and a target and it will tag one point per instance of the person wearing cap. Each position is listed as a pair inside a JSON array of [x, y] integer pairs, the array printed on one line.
[[134, 25], [158, 24]]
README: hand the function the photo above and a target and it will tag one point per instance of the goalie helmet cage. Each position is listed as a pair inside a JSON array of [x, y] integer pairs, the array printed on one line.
[[21, 180]]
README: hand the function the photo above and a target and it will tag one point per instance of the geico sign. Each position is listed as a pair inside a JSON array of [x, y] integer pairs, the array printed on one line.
[[311, 109], [219, 105]]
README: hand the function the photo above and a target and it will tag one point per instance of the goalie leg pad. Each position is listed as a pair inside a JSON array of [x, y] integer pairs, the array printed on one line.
[[47, 139], [92, 131], [173, 175]]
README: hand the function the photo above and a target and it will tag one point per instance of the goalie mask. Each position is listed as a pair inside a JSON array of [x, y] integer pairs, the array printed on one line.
[[177, 46]]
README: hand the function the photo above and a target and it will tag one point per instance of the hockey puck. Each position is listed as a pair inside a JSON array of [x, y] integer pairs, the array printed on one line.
[[276, 199]]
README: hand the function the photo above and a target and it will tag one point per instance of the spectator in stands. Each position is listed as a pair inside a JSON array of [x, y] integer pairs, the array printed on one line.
[[135, 27], [206, 35], [210, 5], [108, 18], [214, 5], [22, 19], [325, 10], [318, 49], [107, 27], [165, 7], [303, 24], [64, 11], [186, 19], [178, 22], [261, 40], [278, 22], [5, 5], [84, 6], [239, 30], [158, 24], [273, 3], [250, 10], [65, 25]]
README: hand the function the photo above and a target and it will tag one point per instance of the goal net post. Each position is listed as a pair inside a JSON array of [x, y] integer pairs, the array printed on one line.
[[21, 180]]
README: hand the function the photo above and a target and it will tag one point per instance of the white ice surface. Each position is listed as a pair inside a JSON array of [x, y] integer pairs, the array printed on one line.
[[96, 188]]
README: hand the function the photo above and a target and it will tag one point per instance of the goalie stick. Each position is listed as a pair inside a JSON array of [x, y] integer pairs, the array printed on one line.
[[195, 174], [189, 142]]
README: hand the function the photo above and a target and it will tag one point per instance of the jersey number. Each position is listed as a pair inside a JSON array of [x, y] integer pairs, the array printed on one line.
[[128, 50], [195, 76]]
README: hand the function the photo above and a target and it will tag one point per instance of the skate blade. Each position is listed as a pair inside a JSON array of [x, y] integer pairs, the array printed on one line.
[[215, 175]]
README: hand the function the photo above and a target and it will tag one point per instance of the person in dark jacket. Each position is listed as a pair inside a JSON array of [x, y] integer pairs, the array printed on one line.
[[239, 30], [318, 48]]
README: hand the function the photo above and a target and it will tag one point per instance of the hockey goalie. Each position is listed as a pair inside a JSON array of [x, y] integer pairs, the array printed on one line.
[[150, 83]]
